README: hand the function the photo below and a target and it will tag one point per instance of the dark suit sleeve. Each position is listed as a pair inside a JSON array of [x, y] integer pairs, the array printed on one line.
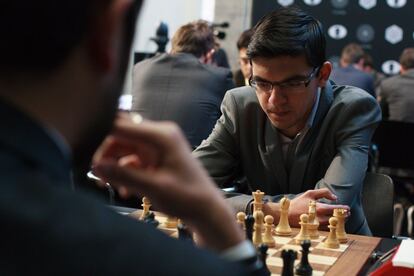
[[356, 124], [219, 153]]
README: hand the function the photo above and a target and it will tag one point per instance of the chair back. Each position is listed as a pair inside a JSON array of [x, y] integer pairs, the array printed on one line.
[[378, 203], [395, 143]]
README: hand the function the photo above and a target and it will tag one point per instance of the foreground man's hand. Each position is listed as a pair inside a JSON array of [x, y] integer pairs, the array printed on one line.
[[154, 159]]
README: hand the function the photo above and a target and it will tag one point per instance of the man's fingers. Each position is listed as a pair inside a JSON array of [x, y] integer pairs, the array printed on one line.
[[164, 135], [327, 209], [131, 180], [322, 193]]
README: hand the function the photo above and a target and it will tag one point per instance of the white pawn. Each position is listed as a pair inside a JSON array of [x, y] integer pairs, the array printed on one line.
[[332, 241], [146, 204], [258, 226], [268, 238], [283, 228], [241, 217], [303, 233]]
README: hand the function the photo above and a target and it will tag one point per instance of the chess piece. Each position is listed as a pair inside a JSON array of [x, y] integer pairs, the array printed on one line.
[[303, 233], [241, 216], [304, 268], [248, 222], [313, 223], [184, 233], [267, 237], [146, 204], [171, 222], [257, 201], [340, 214], [312, 211], [289, 257], [332, 241], [258, 225], [262, 252], [150, 219], [283, 228]]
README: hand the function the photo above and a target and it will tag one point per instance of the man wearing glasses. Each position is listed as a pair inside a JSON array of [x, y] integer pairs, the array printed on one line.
[[293, 132]]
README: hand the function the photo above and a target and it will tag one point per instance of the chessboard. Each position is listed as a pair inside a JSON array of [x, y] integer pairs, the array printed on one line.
[[348, 259]]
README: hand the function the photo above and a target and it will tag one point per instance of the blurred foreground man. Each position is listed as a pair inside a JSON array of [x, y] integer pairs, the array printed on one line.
[[58, 101]]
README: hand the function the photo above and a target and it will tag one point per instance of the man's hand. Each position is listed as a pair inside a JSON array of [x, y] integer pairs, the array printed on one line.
[[154, 159], [300, 205]]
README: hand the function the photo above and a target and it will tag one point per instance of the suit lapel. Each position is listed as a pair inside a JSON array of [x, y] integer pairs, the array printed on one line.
[[274, 157], [304, 151]]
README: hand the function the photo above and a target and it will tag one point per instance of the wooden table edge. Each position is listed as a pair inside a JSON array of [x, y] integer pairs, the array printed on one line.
[[355, 257]]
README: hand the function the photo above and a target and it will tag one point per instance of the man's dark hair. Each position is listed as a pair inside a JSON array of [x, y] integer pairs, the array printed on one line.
[[368, 61], [244, 39], [37, 36], [195, 38], [352, 53], [288, 32], [407, 58]]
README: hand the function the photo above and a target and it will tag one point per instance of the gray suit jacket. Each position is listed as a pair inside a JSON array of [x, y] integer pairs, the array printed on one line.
[[333, 154], [181, 89], [354, 77], [397, 97]]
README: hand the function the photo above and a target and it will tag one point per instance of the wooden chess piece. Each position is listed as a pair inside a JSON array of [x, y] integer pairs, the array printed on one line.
[[262, 252], [257, 200], [303, 233], [248, 222], [184, 233], [241, 216], [289, 256], [150, 219], [304, 268], [340, 214], [313, 223], [146, 204], [283, 228], [171, 222], [331, 241], [267, 237], [258, 225]]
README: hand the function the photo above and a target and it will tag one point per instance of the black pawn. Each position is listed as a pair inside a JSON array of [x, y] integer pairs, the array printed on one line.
[[289, 257], [150, 219], [184, 233], [263, 256], [249, 222], [304, 268]]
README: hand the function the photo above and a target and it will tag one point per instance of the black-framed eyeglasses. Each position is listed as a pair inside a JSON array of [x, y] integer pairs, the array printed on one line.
[[290, 86]]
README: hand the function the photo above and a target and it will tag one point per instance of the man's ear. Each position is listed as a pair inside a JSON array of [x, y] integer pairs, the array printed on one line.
[[104, 37], [324, 73]]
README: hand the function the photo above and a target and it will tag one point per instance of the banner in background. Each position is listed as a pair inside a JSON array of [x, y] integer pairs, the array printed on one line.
[[381, 27]]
